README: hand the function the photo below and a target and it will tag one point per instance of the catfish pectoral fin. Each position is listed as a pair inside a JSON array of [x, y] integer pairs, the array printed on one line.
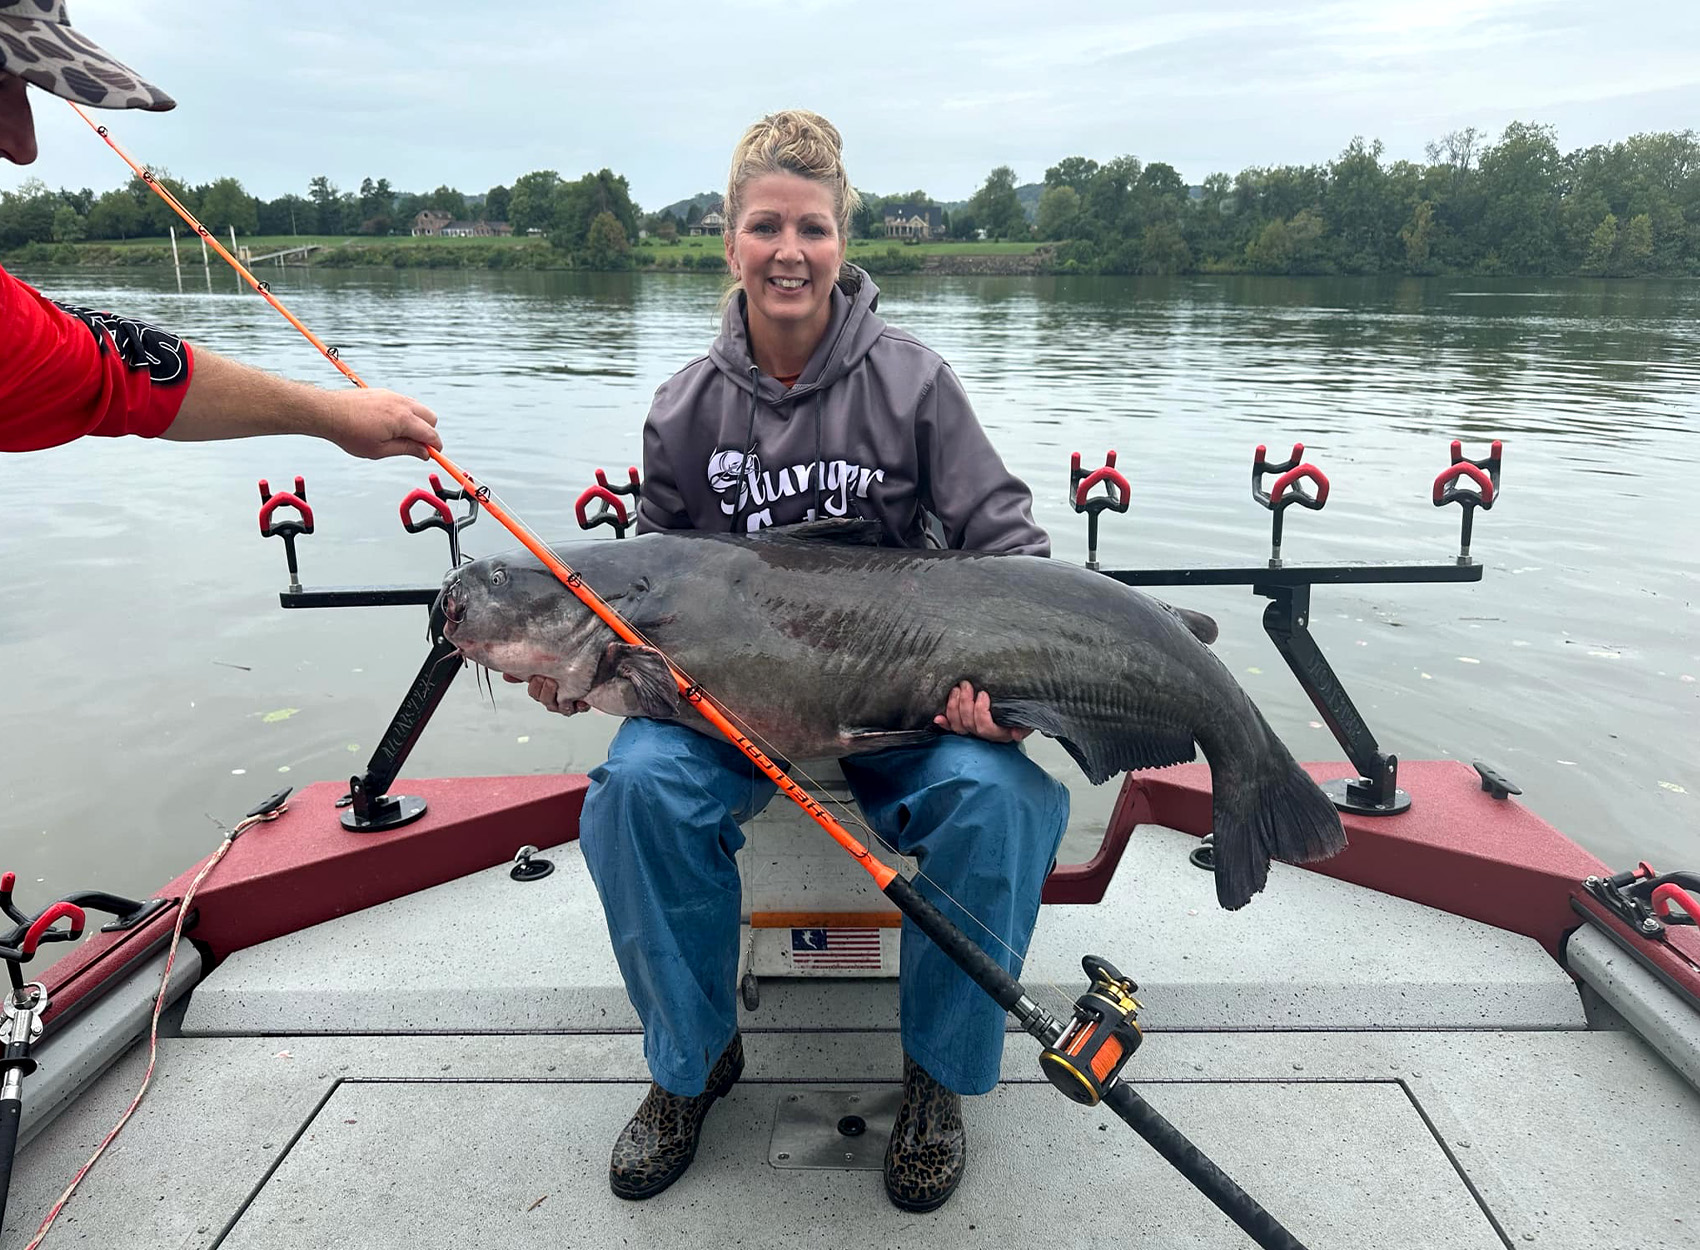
[[859, 741], [634, 681], [1101, 750]]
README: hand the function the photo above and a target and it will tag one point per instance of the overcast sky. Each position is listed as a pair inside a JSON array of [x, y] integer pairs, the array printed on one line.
[[930, 94]]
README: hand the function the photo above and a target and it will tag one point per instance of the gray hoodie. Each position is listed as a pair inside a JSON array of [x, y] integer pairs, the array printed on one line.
[[877, 426]]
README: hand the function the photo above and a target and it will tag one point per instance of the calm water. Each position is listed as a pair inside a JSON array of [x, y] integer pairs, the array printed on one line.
[[153, 689]]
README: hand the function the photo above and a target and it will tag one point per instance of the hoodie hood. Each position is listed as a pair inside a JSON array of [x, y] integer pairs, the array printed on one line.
[[854, 329]]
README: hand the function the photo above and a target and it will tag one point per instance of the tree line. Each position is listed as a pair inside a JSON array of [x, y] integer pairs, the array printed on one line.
[[1517, 205], [1514, 206]]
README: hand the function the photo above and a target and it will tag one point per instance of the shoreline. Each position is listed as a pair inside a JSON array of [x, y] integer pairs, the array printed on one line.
[[536, 255]]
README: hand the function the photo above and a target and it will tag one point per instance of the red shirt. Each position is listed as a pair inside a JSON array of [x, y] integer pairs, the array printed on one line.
[[66, 372]]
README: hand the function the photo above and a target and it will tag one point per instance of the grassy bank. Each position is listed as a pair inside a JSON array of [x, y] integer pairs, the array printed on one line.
[[704, 254]]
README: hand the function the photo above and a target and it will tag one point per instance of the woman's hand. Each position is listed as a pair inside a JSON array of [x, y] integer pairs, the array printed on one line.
[[966, 712], [548, 693]]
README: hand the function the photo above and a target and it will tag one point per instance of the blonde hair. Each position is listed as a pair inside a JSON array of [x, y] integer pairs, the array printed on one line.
[[794, 141]]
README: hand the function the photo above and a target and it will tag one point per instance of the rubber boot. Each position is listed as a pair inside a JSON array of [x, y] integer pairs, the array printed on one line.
[[928, 1151], [658, 1144]]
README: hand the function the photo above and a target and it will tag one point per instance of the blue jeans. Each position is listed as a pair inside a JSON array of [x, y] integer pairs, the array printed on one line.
[[660, 832]]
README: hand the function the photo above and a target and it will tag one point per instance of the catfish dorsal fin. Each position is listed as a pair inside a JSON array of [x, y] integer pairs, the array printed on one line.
[[847, 531]]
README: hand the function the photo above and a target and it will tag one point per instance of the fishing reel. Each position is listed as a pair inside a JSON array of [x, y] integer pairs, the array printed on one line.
[[1103, 1035]]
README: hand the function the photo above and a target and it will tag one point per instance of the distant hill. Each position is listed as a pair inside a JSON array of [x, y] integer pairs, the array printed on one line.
[[702, 199]]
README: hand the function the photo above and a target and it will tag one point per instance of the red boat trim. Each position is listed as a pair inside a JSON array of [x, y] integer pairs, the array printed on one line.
[[1457, 849], [1674, 959], [305, 868]]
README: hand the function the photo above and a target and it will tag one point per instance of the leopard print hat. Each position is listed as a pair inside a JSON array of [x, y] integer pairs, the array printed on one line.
[[39, 46]]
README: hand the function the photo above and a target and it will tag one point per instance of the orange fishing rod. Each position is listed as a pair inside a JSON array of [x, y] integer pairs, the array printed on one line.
[[881, 872], [1083, 1056]]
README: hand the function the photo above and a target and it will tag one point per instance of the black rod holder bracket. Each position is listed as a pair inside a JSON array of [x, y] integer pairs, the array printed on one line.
[[370, 807], [1376, 792]]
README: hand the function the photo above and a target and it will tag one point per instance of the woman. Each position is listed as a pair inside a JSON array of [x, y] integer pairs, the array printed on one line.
[[809, 405]]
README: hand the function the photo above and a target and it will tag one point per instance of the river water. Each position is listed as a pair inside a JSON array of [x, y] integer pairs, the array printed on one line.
[[151, 689]]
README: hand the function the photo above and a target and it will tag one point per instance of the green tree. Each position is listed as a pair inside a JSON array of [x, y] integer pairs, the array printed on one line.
[[964, 224], [1417, 234], [531, 205], [327, 207], [158, 217], [1059, 212], [1637, 253], [1601, 257], [1518, 177], [1364, 212], [115, 215], [579, 204], [1163, 250], [496, 203], [1071, 171], [447, 200], [27, 214], [996, 207], [1272, 250], [225, 204], [606, 246], [68, 226]]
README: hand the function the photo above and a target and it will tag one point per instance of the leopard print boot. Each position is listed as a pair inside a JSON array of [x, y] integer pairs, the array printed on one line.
[[656, 1147], [928, 1150]]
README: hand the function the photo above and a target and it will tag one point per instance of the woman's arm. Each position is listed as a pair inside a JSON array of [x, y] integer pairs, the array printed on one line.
[[982, 505]]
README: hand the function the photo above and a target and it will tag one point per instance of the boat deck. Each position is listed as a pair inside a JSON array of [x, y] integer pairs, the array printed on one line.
[[457, 1063]]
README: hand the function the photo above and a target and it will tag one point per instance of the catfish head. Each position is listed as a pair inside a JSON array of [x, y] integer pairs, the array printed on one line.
[[510, 614]]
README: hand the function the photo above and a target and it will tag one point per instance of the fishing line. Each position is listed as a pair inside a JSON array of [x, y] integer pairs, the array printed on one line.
[[728, 723]]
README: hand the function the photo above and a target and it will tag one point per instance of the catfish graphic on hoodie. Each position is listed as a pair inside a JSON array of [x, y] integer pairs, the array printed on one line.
[[877, 426]]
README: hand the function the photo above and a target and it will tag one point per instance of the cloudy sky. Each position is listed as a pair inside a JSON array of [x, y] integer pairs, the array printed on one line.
[[928, 95]]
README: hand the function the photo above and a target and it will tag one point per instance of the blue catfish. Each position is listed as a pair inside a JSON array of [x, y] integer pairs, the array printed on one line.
[[825, 644]]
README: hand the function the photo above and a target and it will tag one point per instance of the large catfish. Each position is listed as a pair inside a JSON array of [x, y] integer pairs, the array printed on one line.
[[825, 644]]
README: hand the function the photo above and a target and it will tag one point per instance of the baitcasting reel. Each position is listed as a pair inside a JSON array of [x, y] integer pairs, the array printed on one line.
[[1103, 1035]]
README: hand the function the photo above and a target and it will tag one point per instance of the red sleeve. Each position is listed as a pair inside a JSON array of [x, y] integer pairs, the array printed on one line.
[[66, 372]]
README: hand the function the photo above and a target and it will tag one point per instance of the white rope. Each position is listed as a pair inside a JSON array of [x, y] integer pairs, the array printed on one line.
[[158, 1006]]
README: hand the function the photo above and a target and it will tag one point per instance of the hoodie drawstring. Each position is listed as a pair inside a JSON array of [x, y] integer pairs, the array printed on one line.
[[741, 486], [820, 469]]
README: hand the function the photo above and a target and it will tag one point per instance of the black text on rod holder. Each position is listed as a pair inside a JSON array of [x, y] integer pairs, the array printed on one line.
[[1376, 790]]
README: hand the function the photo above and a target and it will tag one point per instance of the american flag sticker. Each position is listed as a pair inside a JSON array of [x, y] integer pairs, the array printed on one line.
[[835, 948]]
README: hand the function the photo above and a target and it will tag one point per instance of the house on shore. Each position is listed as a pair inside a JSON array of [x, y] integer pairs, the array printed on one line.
[[712, 223], [430, 222], [434, 223], [914, 221], [477, 229]]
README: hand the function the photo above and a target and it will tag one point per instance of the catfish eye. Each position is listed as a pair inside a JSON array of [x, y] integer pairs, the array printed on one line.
[[498, 577]]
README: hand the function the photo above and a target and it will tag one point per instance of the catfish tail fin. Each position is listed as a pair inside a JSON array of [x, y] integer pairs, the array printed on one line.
[[1265, 807]]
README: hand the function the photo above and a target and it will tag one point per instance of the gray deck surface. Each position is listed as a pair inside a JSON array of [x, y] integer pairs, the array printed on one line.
[[396, 1097], [1309, 952], [1554, 1130]]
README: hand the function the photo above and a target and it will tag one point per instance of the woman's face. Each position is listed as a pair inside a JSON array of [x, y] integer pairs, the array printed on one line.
[[786, 250]]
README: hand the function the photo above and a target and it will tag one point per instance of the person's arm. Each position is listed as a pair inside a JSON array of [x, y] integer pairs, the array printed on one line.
[[982, 505], [230, 400], [661, 509]]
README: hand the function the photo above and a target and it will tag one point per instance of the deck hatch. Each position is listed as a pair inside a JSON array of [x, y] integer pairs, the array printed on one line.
[[526, 1163]]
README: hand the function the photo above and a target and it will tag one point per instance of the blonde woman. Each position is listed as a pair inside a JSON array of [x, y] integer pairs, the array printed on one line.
[[808, 405]]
